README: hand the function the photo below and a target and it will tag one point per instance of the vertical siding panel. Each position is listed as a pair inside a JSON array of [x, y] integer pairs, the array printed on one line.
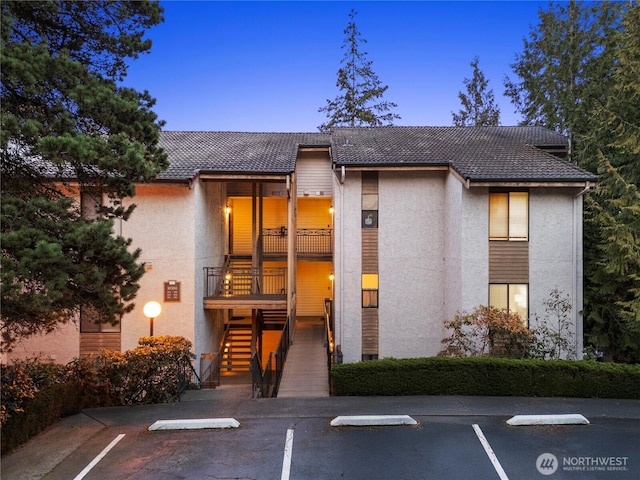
[[275, 212], [369, 247], [314, 212], [93, 343], [314, 174], [508, 262], [241, 211], [370, 331], [369, 250], [313, 286]]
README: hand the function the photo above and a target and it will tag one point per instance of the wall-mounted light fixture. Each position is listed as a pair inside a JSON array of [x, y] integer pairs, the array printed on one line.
[[331, 210], [227, 209], [331, 276]]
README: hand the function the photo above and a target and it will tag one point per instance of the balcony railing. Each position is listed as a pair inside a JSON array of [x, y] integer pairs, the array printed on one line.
[[309, 240], [239, 282]]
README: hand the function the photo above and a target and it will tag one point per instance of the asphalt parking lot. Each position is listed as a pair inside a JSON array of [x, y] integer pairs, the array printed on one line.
[[454, 437]]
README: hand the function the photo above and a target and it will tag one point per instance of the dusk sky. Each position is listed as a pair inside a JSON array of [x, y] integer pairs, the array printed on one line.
[[269, 66]]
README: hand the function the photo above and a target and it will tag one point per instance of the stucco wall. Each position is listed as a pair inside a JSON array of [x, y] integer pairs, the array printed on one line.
[[555, 225], [475, 249], [348, 262], [411, 232], [62, 346], [163, 227], [210, 244]]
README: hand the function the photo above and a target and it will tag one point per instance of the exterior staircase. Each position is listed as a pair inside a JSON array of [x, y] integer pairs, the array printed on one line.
[[236, 356], [273, 319]]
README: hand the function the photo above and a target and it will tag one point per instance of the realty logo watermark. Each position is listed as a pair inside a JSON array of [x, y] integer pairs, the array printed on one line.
[[548, 464]]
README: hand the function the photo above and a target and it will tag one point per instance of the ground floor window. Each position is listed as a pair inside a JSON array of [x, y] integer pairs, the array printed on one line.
[[89, 317], [514, 296]]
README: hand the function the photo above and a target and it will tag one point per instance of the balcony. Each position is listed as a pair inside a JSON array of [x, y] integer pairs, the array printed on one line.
[[310, 241], [230, 287]]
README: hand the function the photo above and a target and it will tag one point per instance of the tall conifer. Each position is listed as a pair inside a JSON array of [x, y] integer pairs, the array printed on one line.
[[360, 102]]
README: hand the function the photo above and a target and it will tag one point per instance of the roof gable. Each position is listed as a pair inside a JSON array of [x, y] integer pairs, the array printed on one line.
[[191, 153]]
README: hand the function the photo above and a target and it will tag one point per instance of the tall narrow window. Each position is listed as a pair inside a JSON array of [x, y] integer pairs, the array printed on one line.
[[90, 322], [90, 204], [369, 290], [513, 296], [509, 216]]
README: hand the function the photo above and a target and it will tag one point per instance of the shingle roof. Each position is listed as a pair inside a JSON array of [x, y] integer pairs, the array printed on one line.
[[481, 154], [233, 152], [492, 154]]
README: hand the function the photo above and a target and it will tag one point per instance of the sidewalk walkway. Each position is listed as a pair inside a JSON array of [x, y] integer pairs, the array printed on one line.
[[305, 371]]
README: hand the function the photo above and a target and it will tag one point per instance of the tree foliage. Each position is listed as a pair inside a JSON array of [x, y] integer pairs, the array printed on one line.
[[360, 103], [479, 108], [565, 65], [613, 211], [580, 75], [67, 125]]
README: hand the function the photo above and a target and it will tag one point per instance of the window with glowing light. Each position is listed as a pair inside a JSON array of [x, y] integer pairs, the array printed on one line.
[[513, 296], [369, 290], [509, 216]]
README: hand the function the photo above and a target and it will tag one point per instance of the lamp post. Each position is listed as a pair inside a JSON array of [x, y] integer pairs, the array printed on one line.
[[151, 310]]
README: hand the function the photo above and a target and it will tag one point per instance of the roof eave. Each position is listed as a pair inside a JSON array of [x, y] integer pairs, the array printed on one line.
[[532, 182]]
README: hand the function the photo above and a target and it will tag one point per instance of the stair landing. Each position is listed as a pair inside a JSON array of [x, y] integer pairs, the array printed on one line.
[[305, 371]]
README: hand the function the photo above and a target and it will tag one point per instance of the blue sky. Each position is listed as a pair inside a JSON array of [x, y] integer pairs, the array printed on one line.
[[268, 66]]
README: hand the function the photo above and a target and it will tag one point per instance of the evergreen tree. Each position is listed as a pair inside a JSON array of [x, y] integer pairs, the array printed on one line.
[[612, 265], [360, 103], [65, 116], [564, 67], [478, 104], [579, 76]]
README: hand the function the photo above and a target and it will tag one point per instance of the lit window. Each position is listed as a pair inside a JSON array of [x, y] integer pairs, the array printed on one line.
[[513, 296], [369, 290], [509, 216]]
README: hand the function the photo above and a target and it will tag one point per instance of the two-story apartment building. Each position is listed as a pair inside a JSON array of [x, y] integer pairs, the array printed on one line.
[[396, 228]]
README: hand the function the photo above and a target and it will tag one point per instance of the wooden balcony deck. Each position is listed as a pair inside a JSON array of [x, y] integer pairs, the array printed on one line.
[[264, 302]]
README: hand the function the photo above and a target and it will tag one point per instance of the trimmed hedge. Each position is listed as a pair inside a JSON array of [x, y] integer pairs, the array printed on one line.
[[44, 409], [487, 376]]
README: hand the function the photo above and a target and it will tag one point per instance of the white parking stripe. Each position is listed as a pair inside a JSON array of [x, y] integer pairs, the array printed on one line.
[[492, 456], [102, 454], [288, 452]]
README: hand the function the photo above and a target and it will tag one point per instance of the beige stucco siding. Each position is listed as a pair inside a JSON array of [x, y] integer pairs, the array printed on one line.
[[411, 235], [62, 346], [348, 267], [475, 249], [210, 249], [466, 247], [555, 225], [163, 227]]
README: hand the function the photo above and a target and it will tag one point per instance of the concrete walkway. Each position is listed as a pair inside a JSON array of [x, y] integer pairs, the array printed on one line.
[[305, 371]]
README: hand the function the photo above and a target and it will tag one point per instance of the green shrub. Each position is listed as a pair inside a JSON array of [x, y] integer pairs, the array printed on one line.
[[45, 408], [150, 373], [22, 380], [35, 395], [487, 376]]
